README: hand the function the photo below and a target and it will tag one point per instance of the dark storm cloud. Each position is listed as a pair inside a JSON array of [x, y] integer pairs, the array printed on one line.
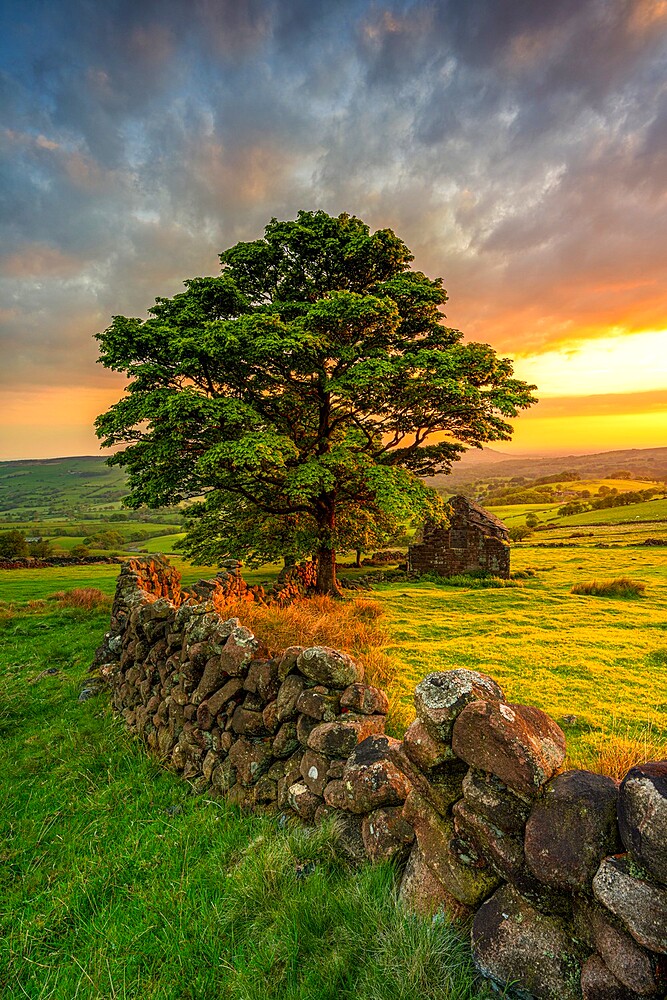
[[518, 147]]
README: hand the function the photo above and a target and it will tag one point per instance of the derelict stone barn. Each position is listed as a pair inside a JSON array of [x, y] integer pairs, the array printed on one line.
[[474, 540]]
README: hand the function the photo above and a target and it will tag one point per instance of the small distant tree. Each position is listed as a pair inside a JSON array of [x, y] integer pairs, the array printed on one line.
[[315, 378], [519, 532], [532, 520], [41, 549], [13, 545]]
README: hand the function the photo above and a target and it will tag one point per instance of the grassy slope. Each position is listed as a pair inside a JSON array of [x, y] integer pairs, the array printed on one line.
[[117, 882], [599, 659], [41, 484]]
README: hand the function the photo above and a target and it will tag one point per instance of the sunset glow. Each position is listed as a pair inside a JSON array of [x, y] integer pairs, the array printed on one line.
[[519, 150]]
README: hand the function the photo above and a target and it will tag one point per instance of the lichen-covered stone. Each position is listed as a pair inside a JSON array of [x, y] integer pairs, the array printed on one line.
[[251, 760], [303, 801], [639, 904], [364, 698], [285, 742], [386, 834], [247, 723], [338, 739], [442, 787], [329, 667], [319, 703], [516, 946], [424, 749], [370, 779], [287, 662], [504, 852], [314, 768], [441, 696], [288, 695], [262, 679], [637, 970], [599, 983], [519, 744], [571, 828], [642, 816], [422, 892], [488, 796], [469, 884]]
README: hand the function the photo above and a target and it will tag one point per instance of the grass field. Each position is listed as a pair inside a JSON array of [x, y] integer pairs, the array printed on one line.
[[117, 882]]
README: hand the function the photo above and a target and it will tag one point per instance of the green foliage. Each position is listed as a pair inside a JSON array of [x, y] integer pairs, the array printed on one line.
[[105, 539], [532, 520], [13, 545], [622, 586], [519, 532], [299, 389]]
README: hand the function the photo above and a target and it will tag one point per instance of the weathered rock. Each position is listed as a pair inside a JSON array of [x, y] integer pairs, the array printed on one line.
[[441, 696], [266, 790], [285, 741], [642, 816], [489, 797], [424, 749], [571, 828], [247, 723], [303, 801], [251, 760], [504, 852], [329, 667], [304, 727], [288, 695], [319, 703], [513, 943], [598, 982], [209, 763], [422, 891], [314, 768], [441, 787], [635, 968], [270, 717], [223, 777], [470, 885], [365, 699], [208, 710], [370, 779], [640, 905], [349, 838], [338, 739], [386, 834], [520, 745], [287, 662], [262, 679]]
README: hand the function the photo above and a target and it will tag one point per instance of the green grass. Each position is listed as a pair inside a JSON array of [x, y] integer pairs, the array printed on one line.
[[118, 882], [566, 654]]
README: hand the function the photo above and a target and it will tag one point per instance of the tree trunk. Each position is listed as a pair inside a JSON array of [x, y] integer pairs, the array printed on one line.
[[326, 554], [326, 573], [358, 559]]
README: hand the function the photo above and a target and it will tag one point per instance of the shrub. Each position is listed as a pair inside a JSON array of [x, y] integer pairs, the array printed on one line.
[[518, 532], [89, 598], [622, 586]]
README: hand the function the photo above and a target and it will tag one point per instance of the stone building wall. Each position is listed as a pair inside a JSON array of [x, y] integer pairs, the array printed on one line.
[[474, 540], [562, 874]]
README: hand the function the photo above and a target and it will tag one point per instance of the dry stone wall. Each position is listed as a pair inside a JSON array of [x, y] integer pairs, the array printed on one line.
[[562, 875]]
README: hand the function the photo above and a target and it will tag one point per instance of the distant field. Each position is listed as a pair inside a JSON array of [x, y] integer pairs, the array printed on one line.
[[603, 660], [62, 482], [648, 510]]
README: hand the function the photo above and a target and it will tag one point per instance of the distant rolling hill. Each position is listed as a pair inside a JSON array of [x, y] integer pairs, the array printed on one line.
[[489, 464], [60, 485]]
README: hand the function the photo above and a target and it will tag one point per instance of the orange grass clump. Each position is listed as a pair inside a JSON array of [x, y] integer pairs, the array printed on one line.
[[351, 626], [622, 586], [89, 598], [613, 753]]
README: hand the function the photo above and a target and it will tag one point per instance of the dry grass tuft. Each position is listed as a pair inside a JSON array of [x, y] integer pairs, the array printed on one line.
[[350, 625], [616, 751], [622, 586], [89, 598]]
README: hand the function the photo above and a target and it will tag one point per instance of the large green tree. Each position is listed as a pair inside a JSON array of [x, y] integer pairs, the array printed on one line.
[[311, 384]]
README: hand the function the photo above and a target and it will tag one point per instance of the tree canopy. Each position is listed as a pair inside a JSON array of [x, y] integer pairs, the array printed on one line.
[[301, 394]]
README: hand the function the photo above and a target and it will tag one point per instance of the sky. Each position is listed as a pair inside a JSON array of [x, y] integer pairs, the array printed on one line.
[[518, 147]]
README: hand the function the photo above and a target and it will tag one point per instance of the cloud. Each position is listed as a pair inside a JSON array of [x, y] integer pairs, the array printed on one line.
[[518, 148]]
